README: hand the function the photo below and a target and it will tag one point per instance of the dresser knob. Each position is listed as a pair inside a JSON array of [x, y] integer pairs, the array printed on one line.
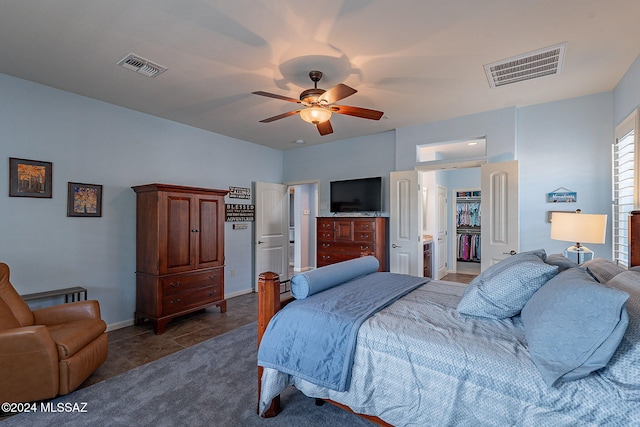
[[174, 285], [213, 277]]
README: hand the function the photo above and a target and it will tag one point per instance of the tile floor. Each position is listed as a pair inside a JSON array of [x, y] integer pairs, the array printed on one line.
[[136, 345]]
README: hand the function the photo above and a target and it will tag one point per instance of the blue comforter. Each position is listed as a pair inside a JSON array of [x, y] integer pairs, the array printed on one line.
[[316, 336]]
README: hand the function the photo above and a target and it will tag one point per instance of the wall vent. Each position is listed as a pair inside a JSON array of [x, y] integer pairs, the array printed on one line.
[[540, 63], [141, 65]]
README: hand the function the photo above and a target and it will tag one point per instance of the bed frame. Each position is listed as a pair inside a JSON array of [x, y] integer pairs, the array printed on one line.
[[270, 301]]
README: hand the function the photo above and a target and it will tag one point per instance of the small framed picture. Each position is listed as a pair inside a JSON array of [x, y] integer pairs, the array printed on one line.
[[29, 178], [84, 200]]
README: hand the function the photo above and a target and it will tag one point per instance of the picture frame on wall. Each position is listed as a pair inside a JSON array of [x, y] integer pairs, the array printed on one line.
[[30, 178], [84, 200]]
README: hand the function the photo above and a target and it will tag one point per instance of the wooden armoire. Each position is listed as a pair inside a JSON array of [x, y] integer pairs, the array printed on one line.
[[179, 251]]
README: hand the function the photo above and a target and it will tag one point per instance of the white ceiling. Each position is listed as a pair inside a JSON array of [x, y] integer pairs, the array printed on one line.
[[418, 61]]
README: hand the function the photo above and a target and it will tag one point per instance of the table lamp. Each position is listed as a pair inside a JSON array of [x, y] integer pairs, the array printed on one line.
[[580, 228]]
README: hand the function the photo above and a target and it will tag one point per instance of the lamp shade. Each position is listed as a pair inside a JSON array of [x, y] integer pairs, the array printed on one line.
[[315, 115], [579, 227]]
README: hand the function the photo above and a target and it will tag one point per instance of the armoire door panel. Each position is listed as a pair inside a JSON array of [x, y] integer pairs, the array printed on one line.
[[179, 244], [211, 220]]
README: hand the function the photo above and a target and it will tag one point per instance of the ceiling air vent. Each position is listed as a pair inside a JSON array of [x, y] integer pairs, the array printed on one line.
[[540, 63], [141, 65]]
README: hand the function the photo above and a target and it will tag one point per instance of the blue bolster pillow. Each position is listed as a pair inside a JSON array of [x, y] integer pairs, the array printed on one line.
[[314, 281]]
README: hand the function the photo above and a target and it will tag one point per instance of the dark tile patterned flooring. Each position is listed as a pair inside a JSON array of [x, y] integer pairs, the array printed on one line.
[[136, 345]]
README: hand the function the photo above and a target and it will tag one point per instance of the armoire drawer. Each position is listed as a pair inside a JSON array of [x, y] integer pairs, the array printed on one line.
[[183, 282], [193, 298]]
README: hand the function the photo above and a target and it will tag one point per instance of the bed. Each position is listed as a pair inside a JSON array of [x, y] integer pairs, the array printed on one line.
[[535, 340]]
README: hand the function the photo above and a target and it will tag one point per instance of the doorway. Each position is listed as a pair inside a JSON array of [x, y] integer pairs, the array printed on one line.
[[303, 210], [467, 240]]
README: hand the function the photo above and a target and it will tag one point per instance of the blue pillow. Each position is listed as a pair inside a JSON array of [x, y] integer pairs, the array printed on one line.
[[623, 370], [504, 288], [573, 325], [314, 281], [561, 261]]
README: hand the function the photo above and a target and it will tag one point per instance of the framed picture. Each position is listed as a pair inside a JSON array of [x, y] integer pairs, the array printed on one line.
[[562, 197], [29, 178], [84, 200]]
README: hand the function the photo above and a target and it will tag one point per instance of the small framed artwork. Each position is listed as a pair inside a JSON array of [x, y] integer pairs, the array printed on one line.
[[29, 178], [84, 200]]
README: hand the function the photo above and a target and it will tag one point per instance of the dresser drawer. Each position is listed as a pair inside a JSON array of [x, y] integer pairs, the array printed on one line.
[[364, 225], [354, 248], [325, 236], [364, 236], [183, 282], [185, 300], [326, 258], [324, 225]]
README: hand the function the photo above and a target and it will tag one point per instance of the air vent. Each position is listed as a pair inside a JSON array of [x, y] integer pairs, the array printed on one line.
[[141, 65], [540, 63]]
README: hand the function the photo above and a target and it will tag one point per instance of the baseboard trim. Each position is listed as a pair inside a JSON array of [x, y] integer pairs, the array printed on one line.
[[129, 322], [119, 325]]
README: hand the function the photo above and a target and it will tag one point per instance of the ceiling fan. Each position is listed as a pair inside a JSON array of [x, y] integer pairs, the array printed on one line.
[[320, 104]]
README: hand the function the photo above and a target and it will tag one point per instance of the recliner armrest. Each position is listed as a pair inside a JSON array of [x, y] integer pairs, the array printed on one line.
[[64, 313], [29, 368], [26, 339]]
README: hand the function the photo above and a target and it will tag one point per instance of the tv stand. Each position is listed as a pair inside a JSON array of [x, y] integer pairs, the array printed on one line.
[[341, 238]]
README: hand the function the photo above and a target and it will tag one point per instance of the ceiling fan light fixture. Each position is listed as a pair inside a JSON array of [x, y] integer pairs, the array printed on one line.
[[315, 115]]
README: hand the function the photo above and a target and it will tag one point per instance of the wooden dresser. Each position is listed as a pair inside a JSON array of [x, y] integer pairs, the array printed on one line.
[[179, 251], [634, 241], [344, 238]]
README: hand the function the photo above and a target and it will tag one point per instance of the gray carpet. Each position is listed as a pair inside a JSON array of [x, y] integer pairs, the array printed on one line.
[[210, 384]]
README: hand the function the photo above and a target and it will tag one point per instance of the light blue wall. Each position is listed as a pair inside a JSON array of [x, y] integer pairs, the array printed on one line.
[[97, 143], [626, 95], [497, 126], [564, 144], [362, 157]]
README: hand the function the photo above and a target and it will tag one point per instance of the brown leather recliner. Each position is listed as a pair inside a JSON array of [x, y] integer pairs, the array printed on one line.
[[48, 351]]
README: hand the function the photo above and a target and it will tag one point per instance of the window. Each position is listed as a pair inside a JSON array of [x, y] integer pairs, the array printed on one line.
[[625, 185]]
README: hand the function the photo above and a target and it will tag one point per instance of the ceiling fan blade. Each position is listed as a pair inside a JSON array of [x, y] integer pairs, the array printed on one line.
[[276, 96], [325, 128], [336, 93], [280, 116], [363, 113]]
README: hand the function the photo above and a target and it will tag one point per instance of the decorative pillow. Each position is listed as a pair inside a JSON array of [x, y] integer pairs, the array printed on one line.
[[314, 281], [504, 288], [623, 370], [602, 270], [573, 325], [561, 261]]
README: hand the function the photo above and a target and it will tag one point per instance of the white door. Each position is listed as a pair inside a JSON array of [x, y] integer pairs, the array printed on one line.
[[405, 229], [441, 234], [271, 239], [499, 207]]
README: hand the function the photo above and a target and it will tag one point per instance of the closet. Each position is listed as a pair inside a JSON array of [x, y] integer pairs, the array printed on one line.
[[468, 235]]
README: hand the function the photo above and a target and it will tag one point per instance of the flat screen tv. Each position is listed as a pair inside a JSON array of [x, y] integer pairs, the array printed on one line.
[[356, 195]]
